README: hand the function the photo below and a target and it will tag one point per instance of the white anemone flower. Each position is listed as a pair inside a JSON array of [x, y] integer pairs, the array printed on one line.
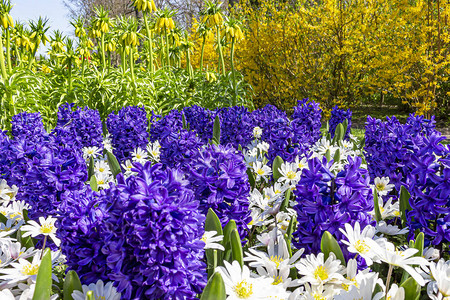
[[101, 291], [318, 271], [389, 209], [266, 238], [263, 147], [102, 167], [7, 193], [154, 150], [386, 252], [89, 152], [239, 284], [396, 293], [14, 250], [382, 185], [46, 228], [358, 240], [103, 179], [431, 253], [139, 155], [277, 255], [439, 287], [259, 218], [128, 165], [363, 291], [257, 132], [11, 226], [261, 170], [301, 163], [22, 270], [289, 173], [318, 292], [210, 239], [383, 227]]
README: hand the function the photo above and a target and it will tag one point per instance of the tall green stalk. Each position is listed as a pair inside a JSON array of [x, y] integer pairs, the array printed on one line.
[[8, 49], [203, 52], [102, 46], [133, 78], [2, 62], [167, 47], [222, 62], [150, 46], [69, 76], [233, 72], [19, 57]]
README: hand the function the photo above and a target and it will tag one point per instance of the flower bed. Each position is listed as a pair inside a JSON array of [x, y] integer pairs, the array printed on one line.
[[223, 204]]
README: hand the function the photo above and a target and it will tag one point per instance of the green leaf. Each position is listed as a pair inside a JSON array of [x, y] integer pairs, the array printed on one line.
[[185, 126], [285, 202], [337, 156], [420, 239], [344, 127], [290, 230], [71, 283], [44, 278], [212, 222], [215, 288], [376, 205], [328, 155], [91, 171], [276, 165], [404, 204], [25, 215], [216, 131], [3, 219], [329, 244], [93, 184], [113, 164], [236, 247], [251, 178], [211, 260], [338, 134], [412, 289]]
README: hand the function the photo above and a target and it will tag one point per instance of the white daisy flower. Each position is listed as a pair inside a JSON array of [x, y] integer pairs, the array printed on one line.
[[102, 167], [14, 209], [257, 132], [382, 185], [396, 293], [277, 255], [154, 150], [258, 218], [317, 271], [383, 227], [301, 163], [107, 143], [318, 292], [22, 270], [358, 241], [240, 285], [7, 193], [127, 166], [210, 240], [267, 237], [389, 209], [363, 291], [289, 173], [101, 291], [89, 152], [263, 147], [15, 249], [103, 179], [139, 155], [386, 252], [430, 253], [261, 170], [322, 146], [11, 226], [439, 287], [46, 228]]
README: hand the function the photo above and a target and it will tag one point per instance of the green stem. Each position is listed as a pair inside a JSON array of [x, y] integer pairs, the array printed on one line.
[[233, 73], [150, 46], [102, 46], [122, 59], [167, 47], [220, 51], [19, 57], [69, 77], [8, 49], [388, 279], [203, 52], [109, 60], [43, 246], [83, 63], [2, 62], [133, 79]]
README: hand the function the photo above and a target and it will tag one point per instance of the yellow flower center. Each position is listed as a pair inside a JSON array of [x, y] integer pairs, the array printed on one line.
[[380, 186], [6, 229], [100, 298], [30, 269], [260, 172], [319, 297], [47, 228], [101, 181], [277, 280], [397, 213], [291, 175], [276, 259], [320, 273], [243, 289], [101, 169], [361, 247]]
